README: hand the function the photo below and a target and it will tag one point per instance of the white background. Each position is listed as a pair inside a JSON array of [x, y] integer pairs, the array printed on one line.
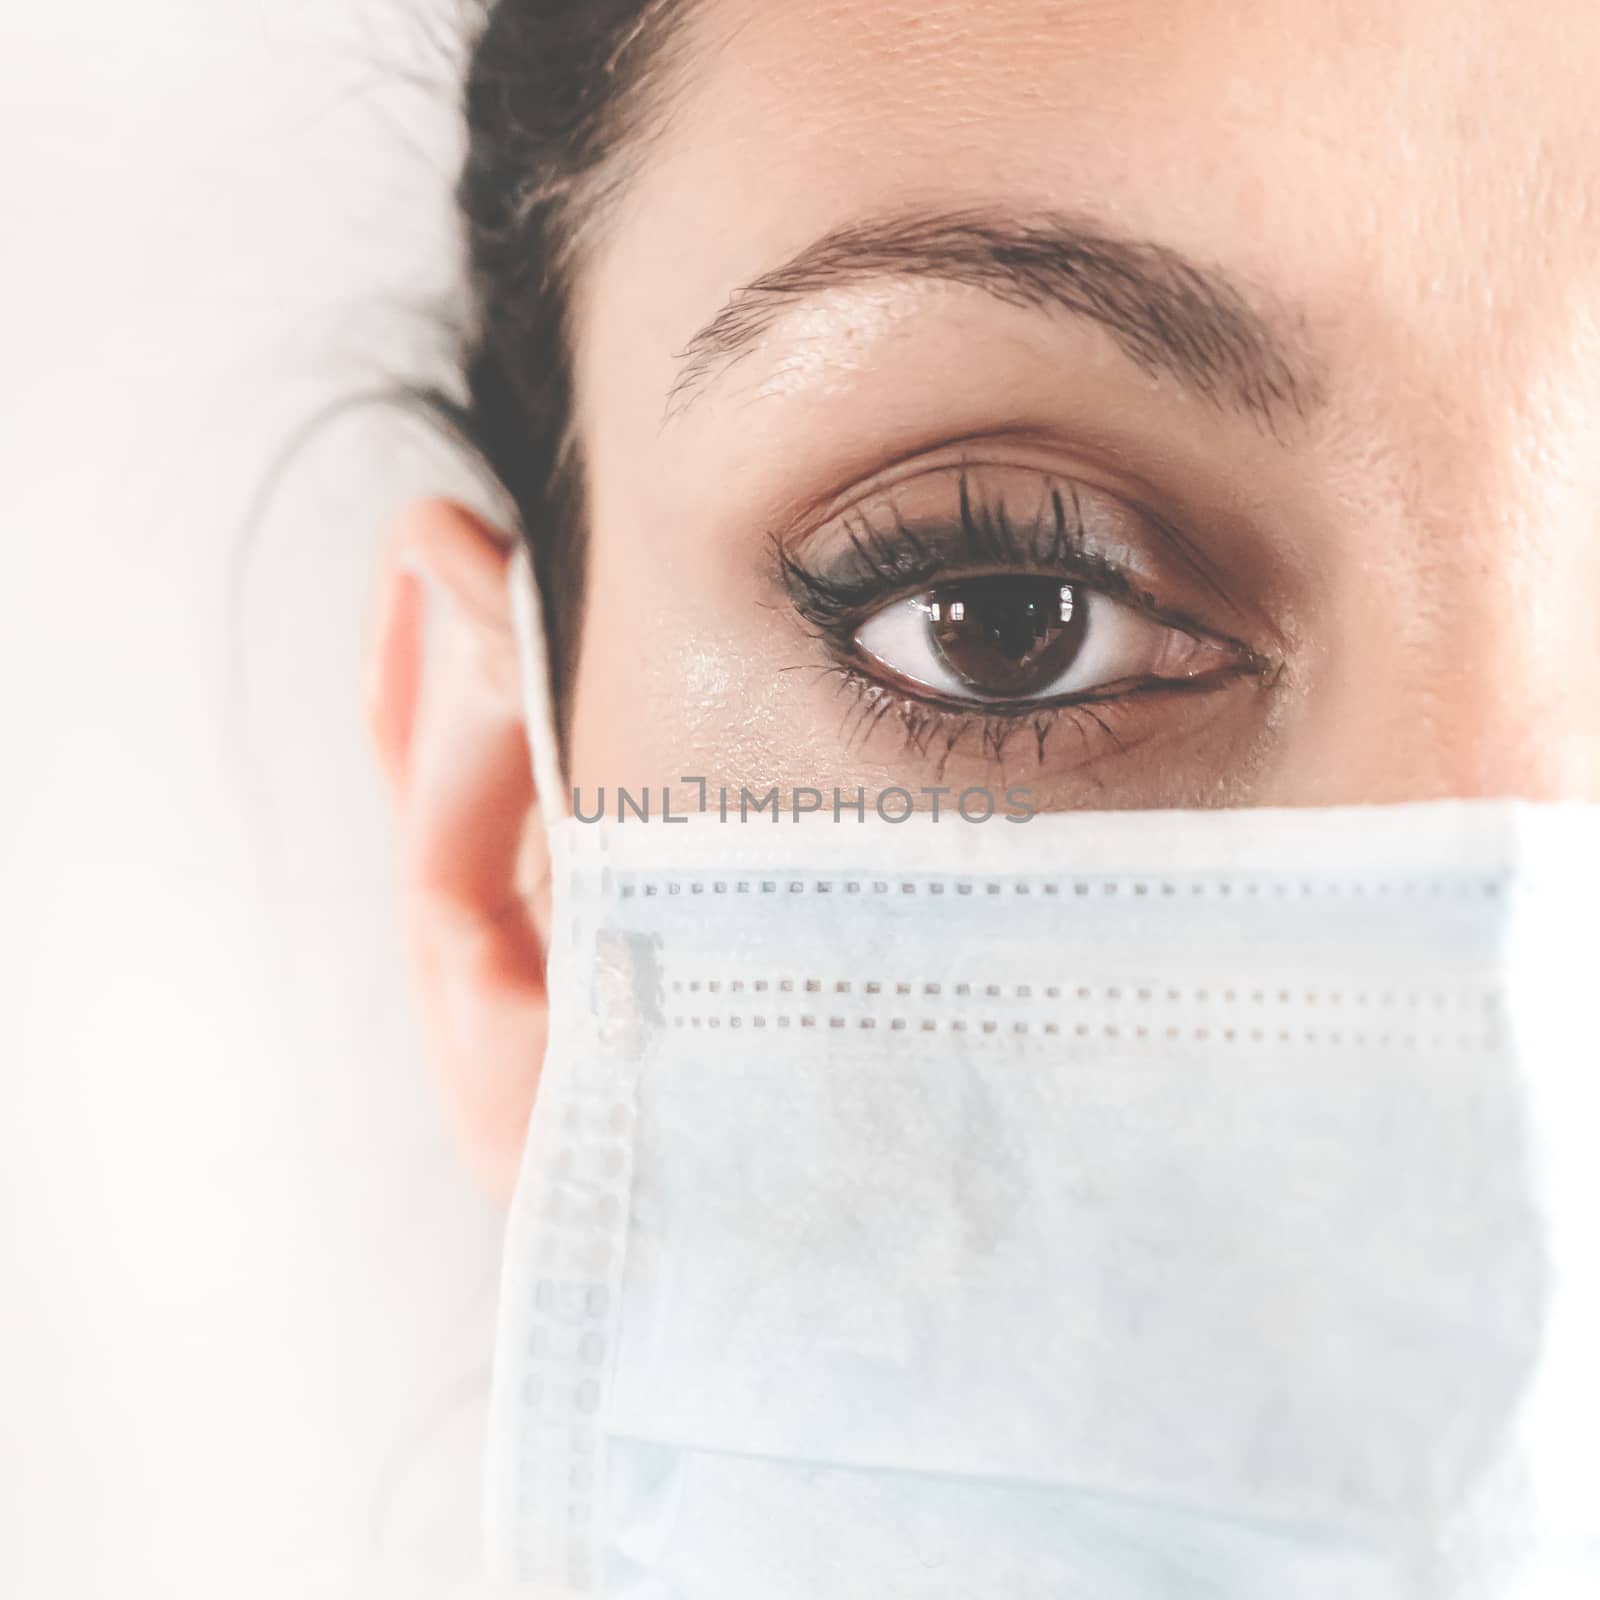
[[245, 1292]]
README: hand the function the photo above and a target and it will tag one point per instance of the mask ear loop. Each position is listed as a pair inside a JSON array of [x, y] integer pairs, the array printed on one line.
[[538, 705]]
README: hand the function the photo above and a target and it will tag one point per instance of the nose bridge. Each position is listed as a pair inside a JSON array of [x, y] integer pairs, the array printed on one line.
[[1517, 708], [1461, 652], [1519, 569], [1492, 425], [1502, 658]]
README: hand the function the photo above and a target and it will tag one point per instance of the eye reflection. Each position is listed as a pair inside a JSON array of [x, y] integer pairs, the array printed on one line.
[[1025, 639], [1006, 638]]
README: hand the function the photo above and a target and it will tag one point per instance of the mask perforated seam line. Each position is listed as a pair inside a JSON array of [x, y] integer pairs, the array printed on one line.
[[1166, 1034], [635, 883], [874, 989]]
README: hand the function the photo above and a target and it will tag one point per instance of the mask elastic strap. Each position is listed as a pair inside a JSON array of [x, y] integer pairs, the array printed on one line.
[[538, 706]]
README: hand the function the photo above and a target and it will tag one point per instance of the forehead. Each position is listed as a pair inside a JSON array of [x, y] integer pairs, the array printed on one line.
[[1422, 172]]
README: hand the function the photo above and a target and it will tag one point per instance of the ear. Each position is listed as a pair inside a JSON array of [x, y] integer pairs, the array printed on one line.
[[445, 710]]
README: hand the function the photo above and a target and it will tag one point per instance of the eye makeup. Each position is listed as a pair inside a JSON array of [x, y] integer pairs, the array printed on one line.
[[993, 568]]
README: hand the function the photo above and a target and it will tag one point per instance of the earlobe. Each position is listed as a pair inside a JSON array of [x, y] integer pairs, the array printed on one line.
[[446, 717]]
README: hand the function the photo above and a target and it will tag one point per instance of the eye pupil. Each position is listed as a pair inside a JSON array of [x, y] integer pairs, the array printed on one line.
[[1007, 637]]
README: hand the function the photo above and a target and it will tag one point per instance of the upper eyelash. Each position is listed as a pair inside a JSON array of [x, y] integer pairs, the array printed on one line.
[[837, 594]]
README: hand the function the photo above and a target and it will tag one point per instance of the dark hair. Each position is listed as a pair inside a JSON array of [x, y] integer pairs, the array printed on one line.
[[554, 91]]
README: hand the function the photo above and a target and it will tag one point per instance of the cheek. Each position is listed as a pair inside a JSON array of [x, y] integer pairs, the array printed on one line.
[[680, 670]]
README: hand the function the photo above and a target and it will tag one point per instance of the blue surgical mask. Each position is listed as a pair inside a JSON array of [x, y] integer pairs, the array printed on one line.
[[1138, 1206]]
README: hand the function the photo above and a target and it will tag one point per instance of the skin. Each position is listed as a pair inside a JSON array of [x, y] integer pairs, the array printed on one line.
[[1406, 192]]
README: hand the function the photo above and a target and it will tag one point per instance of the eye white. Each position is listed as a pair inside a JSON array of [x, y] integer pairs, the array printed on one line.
[[1119, 643]]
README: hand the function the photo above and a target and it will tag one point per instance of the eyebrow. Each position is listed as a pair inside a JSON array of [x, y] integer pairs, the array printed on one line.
[[1166, 312]]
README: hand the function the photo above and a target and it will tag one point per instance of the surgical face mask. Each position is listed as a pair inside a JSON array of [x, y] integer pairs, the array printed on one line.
[[1137, 1207]]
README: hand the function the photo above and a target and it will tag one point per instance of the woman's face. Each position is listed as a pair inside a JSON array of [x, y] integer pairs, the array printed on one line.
[[1259, 339], [1139, 402]]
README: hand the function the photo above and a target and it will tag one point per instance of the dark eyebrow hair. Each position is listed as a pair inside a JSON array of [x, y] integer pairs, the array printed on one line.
[[1166, 312]]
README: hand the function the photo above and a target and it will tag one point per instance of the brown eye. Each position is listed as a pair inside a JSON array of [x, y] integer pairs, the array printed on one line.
[[1009, 637], [1021, 639]]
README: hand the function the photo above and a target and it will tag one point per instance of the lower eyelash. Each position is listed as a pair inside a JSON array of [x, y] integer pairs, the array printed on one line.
[[934, 732]]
